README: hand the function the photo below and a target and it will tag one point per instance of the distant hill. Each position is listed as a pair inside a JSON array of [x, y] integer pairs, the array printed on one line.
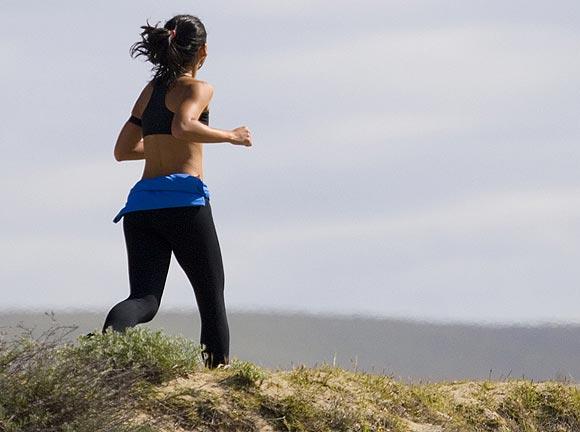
[[409, 350]]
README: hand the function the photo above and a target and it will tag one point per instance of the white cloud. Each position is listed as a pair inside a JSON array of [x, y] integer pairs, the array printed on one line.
[[87, 186], [530, 215], [456, 62]]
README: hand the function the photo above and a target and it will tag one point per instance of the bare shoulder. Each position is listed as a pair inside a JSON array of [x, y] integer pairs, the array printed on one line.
[[195, 91], [194, 86], [142, 100]]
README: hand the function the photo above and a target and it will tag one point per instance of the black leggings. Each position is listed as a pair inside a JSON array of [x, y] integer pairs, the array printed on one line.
[[151, 236]]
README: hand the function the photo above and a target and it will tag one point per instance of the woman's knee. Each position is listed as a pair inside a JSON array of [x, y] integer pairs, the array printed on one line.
[[132, 311], [145, 306]]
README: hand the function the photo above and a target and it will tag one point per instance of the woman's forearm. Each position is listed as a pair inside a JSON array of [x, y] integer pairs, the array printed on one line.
[[132, 156], [136, 156], [197, 131], [137, 153]]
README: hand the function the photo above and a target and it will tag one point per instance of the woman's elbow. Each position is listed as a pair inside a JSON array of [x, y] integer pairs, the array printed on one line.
[[177, 131], [119, 157], [185, 131]]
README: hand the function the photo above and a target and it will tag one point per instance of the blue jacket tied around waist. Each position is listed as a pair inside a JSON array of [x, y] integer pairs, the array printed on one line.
[[173, 190]]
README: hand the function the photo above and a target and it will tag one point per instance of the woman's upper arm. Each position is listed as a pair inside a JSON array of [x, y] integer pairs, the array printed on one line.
[[194, 99], [141, 101], [131, 133]]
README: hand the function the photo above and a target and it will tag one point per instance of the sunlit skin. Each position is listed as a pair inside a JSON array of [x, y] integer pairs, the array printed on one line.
[[166, 154]]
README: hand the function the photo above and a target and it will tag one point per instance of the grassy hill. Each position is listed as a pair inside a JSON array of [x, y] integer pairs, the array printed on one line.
[[145, 381]]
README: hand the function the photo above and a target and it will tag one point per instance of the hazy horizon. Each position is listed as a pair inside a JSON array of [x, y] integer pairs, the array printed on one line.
[[409, 350], [192, 310]]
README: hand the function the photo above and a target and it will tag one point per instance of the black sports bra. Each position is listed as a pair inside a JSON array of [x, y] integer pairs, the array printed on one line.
[[157, 118]]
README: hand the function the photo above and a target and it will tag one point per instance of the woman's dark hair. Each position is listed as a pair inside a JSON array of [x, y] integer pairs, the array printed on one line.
[[172, 53]]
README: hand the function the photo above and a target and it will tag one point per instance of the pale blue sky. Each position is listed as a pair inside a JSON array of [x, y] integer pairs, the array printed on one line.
[[413, 159]]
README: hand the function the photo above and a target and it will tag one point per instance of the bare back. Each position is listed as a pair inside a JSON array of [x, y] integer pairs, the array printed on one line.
[[165, 154]]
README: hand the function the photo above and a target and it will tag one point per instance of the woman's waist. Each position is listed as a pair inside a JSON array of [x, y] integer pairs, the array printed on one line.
[[149, 173], [175, 182], [166, 158]]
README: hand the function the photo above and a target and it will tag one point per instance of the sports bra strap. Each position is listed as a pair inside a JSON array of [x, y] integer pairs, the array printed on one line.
[[135, 120]]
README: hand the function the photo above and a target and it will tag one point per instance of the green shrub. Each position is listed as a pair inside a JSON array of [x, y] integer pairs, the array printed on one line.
[[95, 384], [158, 356], [42, 390], [552, 407], [245, 374]]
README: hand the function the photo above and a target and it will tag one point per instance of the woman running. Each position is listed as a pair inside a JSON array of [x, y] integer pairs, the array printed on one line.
[[168, 209]]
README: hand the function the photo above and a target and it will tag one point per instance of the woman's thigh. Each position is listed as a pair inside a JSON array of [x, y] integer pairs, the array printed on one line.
[[148, 255], [194, 241]]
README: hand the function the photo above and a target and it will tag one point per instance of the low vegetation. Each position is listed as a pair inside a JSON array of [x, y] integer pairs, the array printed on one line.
[[146, 381]]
